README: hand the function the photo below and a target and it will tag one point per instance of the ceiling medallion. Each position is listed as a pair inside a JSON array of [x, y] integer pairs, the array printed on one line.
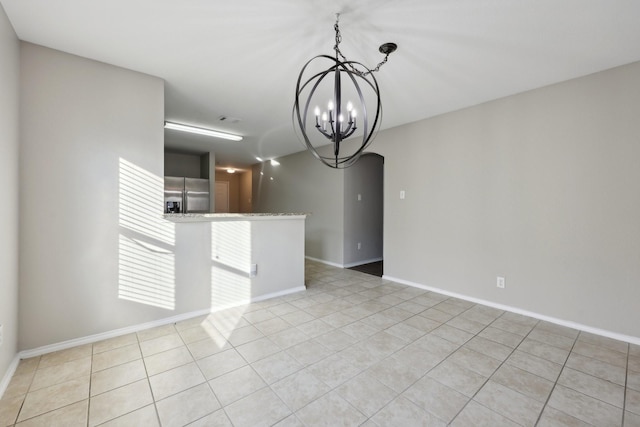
[[342, 81]]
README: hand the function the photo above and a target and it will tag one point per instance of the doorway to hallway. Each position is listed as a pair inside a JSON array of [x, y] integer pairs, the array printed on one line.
[[363, 214]]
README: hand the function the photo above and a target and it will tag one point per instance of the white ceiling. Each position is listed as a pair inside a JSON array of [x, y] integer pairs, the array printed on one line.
[[241, 58]]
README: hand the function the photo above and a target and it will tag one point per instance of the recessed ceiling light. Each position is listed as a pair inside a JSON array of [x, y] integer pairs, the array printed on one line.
[[202, 131], [275, 162], [231, 170], [259, 159]]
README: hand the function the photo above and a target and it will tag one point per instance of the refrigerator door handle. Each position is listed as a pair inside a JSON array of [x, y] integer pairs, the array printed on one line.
[[184, 202]]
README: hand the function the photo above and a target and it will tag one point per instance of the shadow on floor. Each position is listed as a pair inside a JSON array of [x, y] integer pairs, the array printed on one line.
[[374, 268]]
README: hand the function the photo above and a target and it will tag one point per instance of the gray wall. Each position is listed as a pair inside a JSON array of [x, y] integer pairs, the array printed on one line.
[[363, 219], [246, 179], [302, 184], [91, 165], [9, 106], [541, 187]]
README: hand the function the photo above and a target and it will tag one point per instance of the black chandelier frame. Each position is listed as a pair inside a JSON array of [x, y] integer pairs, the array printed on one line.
[[357, 74]]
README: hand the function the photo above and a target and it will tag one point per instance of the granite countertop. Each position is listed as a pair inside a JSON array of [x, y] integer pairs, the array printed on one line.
[[200, 217]]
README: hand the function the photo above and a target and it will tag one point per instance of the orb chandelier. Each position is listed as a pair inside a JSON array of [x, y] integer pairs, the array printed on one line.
[[339, 81]]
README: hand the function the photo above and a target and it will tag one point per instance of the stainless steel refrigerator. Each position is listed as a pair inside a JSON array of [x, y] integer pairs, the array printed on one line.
[[186, 195]]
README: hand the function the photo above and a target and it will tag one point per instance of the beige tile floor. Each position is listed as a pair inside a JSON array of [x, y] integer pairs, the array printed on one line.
[[352, 349]]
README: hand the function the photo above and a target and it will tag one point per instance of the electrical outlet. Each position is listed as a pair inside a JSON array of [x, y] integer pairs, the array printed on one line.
[[402, 194], [359, 245], [501, 282]]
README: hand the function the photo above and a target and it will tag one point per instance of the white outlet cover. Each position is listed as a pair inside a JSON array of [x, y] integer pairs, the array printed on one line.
[[500, 282]]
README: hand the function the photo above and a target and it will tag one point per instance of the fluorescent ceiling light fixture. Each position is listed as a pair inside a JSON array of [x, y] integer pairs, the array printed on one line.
[[275, 163], [202, 131]]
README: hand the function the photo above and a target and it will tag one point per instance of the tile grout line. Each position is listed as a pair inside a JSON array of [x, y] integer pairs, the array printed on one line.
[[626, 381], [459, 347], [146, 372], [206, 381], [443, 360], [332, 389], [326, 291], [495, 370], [595, 376], [249, 364], [90, 380], [555, 383], [367, 418], [24, 399]]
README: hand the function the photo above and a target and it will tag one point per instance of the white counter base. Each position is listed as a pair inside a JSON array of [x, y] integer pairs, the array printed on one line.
[[245, 257]]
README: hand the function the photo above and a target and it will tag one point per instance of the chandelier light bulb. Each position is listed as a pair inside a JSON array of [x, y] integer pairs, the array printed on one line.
[[330, 106], [349, 106]]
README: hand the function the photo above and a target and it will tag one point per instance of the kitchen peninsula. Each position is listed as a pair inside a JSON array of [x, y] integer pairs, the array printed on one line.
[[251, 257]]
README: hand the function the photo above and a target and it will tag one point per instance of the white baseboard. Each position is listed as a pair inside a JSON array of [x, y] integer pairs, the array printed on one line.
[[368, 261], [39, 351], [8, 375], [322, 261], [279, 294], [142, 326], [258, 299], [561, 322]]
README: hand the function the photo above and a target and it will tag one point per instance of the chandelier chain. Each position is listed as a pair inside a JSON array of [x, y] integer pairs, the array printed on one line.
[[336, 27], [364, 114]]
